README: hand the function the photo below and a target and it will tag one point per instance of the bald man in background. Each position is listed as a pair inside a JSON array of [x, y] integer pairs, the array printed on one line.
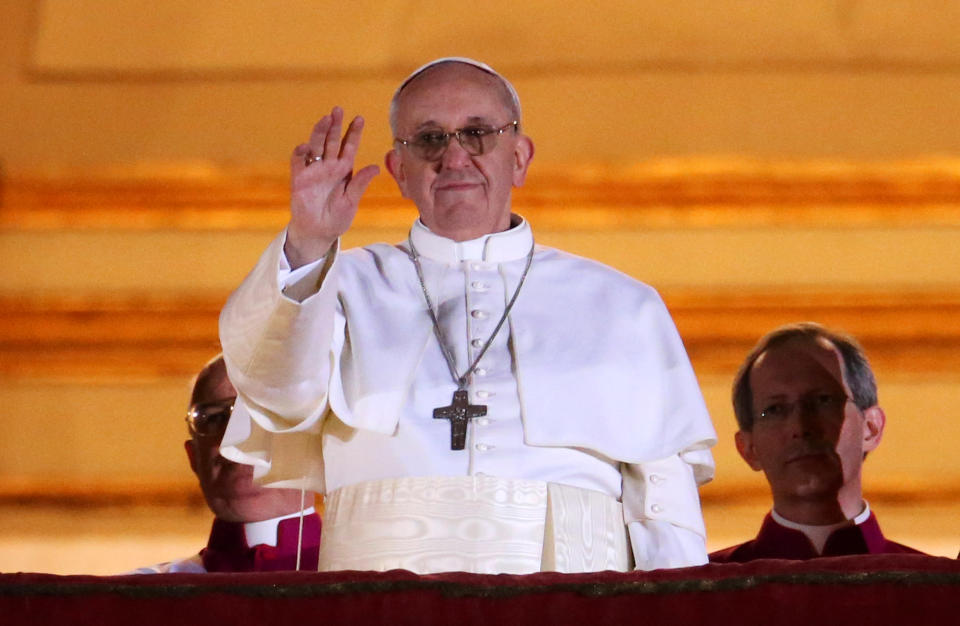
[[256, 529]]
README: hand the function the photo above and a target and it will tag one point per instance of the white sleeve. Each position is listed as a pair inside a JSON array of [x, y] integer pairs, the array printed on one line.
[[276, 331], [661, 545], [306, 280], [661, 507]]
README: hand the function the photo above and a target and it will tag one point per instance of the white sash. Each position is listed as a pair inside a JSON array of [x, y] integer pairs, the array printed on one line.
[[479, 524]]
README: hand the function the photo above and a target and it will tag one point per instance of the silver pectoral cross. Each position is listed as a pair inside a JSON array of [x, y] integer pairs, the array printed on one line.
[[459, 412]]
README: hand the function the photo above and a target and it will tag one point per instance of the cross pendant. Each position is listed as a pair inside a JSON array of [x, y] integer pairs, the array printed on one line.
[[459, 412]]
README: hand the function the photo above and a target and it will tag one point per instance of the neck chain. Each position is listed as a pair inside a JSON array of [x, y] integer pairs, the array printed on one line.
[[460, 411], [462, 380]]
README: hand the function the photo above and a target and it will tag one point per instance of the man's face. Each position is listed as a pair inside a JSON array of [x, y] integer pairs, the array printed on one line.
[[228, 487], [459, 196], [808, 437]]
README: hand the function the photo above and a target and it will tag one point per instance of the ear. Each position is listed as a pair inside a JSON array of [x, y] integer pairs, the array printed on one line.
[[744, 441], [522, 155], [394, 164], [874, 421], [191, 454]]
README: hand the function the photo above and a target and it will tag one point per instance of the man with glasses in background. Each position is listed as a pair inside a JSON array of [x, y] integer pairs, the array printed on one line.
[[466, 400], [255, 529], [805, 400]]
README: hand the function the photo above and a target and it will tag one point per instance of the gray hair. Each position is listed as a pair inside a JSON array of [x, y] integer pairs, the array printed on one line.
[[856, 367], [510, 96]]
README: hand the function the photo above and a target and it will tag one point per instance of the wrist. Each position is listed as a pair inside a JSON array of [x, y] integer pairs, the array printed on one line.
[[300, 253]]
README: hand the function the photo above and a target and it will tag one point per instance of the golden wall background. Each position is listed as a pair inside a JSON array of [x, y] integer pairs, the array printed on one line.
[[757, 161]]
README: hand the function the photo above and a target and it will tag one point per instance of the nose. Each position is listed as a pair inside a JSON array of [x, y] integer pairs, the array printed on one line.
[[455, 156], [806, 422]]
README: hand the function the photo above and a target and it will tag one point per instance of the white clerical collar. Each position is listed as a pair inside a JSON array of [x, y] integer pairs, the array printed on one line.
[[265, 532], [509, 245], [818, 534]]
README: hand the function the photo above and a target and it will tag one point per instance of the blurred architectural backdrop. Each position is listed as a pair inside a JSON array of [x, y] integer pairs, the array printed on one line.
[[758, 162]]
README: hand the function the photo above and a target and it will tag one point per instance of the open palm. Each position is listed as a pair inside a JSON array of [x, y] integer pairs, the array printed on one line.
[[324, 189]]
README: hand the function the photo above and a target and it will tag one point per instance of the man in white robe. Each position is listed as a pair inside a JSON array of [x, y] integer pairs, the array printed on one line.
[[578, 434]]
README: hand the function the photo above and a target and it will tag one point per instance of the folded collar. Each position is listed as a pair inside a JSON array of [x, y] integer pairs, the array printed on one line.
[[265, 532], [509, 245], [229, 547]]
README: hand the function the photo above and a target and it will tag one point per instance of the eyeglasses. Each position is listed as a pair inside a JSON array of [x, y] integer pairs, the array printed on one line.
[[823, 405], [209, 419], [430, 145]]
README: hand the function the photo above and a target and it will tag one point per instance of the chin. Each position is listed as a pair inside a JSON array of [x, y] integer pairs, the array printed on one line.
[[817, 488]]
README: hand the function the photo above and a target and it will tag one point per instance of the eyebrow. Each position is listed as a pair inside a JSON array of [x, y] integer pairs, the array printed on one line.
[[771, 398], [213, 403], [782, 394], [473, 119]]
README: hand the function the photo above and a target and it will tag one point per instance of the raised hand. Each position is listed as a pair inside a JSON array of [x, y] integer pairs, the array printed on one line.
[[324, 189]]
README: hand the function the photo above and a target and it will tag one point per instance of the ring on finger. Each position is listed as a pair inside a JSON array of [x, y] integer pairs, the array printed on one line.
[[311, 158]]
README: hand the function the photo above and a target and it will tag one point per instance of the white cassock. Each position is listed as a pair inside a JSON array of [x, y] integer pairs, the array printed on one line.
[[595, 438]]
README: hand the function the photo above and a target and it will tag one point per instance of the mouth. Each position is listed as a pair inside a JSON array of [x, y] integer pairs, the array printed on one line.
[[237, 479], [809, 455], [457, 186]]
